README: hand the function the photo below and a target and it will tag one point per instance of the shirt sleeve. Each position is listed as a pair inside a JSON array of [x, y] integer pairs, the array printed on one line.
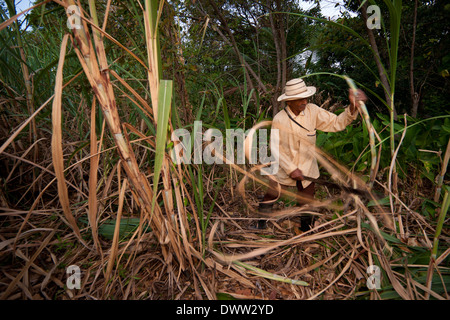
[[285, 160], [330, 122]]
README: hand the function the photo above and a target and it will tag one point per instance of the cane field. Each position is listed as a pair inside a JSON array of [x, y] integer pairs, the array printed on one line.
[[93, 205]]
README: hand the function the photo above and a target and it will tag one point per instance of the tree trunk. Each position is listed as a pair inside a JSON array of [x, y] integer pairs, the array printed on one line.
[[247, 68], [282, 38], [279, 38], [383, 75], [415, 97], [276, 41]]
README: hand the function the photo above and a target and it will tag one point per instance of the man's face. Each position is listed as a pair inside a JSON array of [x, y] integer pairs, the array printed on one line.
[[299, 104]]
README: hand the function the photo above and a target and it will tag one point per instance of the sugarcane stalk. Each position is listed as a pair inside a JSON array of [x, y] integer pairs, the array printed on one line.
[[370, 129], [441, 219], [434, 250], [27, 78], [154, 63], [440, 177], [392, 140], [98, 76], [265, 274]]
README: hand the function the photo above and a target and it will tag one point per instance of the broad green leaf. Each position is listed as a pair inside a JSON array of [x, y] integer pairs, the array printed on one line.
[[126, 229], [224, 296], [164, 105], [381, 202]]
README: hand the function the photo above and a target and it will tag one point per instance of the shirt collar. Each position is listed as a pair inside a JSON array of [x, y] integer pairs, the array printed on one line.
[[302, 113]]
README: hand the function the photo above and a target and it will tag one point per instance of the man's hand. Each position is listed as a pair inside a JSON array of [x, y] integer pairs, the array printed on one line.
[[296, 175], [354, 98]]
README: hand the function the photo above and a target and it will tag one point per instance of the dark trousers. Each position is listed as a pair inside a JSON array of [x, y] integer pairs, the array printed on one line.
[[308, 192], [272, 192]]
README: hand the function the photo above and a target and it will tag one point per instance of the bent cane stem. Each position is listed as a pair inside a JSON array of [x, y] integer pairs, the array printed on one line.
[[370, 129]]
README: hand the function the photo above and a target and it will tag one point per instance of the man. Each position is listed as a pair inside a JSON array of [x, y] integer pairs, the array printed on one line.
[[297, 125]]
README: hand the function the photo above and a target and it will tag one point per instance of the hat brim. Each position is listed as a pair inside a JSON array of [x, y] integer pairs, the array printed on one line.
[[308, 93]]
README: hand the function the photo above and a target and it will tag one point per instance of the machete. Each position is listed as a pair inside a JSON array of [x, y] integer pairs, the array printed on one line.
[[338, 186]]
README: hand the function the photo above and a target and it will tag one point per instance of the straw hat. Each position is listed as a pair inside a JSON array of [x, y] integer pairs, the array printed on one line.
[[296, 89]]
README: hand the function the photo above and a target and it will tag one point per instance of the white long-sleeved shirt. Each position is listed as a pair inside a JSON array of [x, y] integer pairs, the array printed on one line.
[[295, 143]]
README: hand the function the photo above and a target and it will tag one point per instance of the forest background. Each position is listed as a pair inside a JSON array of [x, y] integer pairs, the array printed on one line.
[[86, 174]]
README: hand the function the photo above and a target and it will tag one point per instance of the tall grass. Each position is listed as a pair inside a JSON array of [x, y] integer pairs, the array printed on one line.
[[140, 226], [88, 43]]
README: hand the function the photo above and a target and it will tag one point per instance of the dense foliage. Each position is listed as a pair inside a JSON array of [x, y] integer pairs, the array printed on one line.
[[229, 61]]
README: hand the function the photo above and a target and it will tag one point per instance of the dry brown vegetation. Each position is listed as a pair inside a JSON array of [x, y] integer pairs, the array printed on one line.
[[64, 205]]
